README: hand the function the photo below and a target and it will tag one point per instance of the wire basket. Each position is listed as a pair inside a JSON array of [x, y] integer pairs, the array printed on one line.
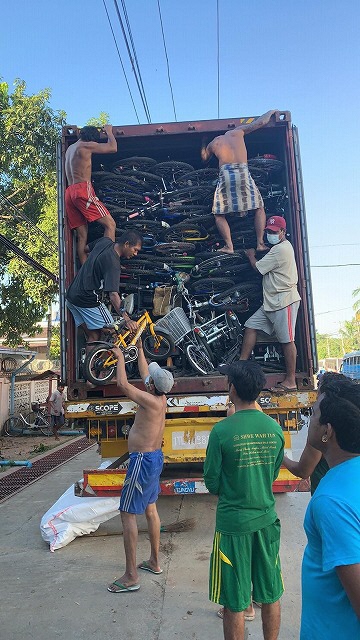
[[175, 323]]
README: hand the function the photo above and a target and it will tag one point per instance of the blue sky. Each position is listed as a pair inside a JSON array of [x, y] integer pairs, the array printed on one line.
[[298, 56]]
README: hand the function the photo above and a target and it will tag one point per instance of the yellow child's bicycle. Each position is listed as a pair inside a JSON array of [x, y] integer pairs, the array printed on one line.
[[100, 362]]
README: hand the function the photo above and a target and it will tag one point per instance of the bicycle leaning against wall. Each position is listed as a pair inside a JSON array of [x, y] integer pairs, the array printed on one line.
[[37, 420]]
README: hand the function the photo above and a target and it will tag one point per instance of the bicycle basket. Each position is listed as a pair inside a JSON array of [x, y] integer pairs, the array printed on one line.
[[175, 323], [35, 406]]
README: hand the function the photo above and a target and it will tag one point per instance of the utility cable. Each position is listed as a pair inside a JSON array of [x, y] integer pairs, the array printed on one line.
[[218, 56], [121, 62], [143, 99], [28, 259], [135, 55], [167, 59], [7, 204], [330, 266]]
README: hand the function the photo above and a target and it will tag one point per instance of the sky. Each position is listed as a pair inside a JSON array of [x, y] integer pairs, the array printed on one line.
[[302, 57]]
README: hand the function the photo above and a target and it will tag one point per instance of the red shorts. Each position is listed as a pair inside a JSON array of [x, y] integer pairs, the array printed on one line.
[[83, 205]]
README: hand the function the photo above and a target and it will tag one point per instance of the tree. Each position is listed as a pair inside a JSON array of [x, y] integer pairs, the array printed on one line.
[[100, 121], [356, 294], [29, 130]]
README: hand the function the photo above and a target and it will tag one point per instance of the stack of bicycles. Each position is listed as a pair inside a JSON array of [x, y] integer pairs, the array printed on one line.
[[170, 203]]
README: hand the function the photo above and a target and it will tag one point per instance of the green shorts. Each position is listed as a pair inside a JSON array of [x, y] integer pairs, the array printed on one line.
[[245, 563]]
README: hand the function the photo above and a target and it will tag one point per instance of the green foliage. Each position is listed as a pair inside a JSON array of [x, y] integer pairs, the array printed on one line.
[[54, 351], [329, 346], [100, 121], [356, 294], [29, 131]]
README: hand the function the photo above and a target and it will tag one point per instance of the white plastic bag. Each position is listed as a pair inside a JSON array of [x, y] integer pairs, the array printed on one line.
[[71, 517]]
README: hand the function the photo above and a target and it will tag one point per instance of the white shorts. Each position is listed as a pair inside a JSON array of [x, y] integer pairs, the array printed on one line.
[[281, 322]]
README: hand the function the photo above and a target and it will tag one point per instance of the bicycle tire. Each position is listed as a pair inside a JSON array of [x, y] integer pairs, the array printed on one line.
[[198, 359], [270, 165], [155, 352], [94, 362], [172, 169], [134, 162], [209, 286], [171, 248], [200, 177], [13, 427]]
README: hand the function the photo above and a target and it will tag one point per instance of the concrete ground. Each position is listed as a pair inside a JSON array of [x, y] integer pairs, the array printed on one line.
[[63, 594]]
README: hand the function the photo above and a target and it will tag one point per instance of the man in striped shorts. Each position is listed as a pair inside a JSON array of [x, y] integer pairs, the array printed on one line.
[[142, 487], [281, 299], [236, 191], [81, 202]]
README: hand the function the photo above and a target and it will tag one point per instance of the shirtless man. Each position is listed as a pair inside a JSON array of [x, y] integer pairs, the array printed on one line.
[[141, 487], [236, 191], [82, 204]]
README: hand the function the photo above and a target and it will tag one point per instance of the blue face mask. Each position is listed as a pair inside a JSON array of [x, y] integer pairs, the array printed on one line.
[[273, 238]]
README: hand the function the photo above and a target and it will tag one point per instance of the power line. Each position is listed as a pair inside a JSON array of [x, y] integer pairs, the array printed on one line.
[[134, 52], [218, 56], [121, 62], [167, 59], [138, 81], [330, 266], [322, 313], [28, 259], [17, 213], [347, 244]]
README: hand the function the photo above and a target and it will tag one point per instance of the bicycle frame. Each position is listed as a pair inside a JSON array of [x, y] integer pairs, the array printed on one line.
[[143, 322]]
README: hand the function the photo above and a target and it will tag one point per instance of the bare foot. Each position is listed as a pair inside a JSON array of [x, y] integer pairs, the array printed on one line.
[[225, 249], [261, 247]]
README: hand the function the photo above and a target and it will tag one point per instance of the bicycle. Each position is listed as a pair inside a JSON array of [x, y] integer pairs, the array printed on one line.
[[36, 420], [100, 363]]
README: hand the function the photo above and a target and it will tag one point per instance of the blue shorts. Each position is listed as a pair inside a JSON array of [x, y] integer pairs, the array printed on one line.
[[141, 486], [93, 317]]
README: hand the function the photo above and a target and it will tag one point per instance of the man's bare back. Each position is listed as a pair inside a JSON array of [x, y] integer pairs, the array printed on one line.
[[230, 148], [146, 434], [78, 156]]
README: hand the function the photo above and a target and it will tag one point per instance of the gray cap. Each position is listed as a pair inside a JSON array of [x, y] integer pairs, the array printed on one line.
[[163, 379]]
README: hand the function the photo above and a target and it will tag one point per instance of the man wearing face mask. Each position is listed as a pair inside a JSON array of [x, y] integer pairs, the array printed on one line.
[[281, 299]]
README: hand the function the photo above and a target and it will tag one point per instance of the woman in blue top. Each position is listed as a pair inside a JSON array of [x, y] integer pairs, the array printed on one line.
[[331, 563]]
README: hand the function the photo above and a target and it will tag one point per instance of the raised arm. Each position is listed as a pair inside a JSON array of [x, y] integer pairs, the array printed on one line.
[[142, 398], [103, 147], [309, 458], [258, 123], [206, 152], [142, 363]]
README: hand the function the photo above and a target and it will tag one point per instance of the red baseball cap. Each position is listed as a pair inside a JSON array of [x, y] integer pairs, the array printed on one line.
[[275, 223]]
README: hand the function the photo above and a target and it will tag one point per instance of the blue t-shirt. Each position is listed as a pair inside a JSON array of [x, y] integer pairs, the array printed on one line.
[[332, 526]]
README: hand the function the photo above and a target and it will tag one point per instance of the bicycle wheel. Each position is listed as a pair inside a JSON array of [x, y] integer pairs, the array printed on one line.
[[135, 163], [175, 248], [198, 359], [158, 347], [95, 368], [209, 286], [13, 427], [36, 420]]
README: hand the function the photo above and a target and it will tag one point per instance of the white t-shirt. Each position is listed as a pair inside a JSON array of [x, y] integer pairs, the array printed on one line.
[[280, 277]]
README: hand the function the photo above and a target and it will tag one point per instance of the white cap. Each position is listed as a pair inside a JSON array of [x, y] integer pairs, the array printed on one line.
[[163, 379]]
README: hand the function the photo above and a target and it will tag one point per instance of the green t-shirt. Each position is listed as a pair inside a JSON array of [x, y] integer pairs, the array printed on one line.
[[243, 458]]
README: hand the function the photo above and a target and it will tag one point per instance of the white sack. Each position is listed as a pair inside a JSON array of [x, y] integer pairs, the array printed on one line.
[[72, 516]]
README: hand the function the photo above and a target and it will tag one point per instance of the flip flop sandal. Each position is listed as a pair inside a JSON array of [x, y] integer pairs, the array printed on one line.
[[122, 588]]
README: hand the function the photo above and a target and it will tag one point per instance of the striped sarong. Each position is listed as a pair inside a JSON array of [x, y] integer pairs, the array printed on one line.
[[236, 191]]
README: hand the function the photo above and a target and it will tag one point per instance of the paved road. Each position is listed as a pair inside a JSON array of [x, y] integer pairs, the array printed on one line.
[[63, 594]]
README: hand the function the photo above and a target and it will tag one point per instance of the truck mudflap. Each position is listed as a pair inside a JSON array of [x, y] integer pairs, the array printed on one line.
[[100, 483]]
